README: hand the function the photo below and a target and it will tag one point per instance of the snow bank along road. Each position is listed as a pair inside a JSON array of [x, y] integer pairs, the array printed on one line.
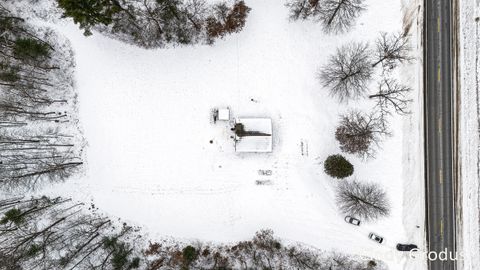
[[469, 139], [438, 128]]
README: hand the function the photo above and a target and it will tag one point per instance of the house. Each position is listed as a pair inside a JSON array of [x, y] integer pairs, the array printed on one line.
[[222, 114], [253, 135]]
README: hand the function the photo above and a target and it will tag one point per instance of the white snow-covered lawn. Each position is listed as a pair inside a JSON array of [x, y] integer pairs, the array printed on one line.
[[146, 117]]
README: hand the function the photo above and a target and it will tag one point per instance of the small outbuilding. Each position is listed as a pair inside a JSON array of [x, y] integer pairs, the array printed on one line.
[[253, 135], [224, 114]]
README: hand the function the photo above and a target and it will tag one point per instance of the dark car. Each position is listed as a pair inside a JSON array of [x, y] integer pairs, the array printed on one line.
[[352, 220], [376, 238], [406, 247]]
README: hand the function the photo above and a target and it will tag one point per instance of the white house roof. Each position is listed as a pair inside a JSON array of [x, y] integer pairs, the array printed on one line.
[[224, 114], [257, 137]]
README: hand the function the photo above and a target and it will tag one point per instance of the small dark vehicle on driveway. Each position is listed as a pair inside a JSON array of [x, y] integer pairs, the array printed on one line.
[[352, 220], [406, 247]]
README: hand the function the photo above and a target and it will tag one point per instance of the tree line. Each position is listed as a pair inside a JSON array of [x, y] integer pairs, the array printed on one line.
[[57, 233], [263, 251], [158, 23], [39, 138]]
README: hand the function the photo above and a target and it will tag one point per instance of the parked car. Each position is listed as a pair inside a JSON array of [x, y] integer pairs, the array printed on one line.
[[352, 220], [406, 247], [375, 238]]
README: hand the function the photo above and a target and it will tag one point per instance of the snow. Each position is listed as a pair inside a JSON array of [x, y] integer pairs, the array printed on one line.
[[469, 143], [146, 117], [413, 142]]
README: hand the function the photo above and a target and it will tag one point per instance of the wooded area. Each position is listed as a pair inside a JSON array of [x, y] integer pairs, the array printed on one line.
[[39, 137], [57, 233], [159, 23]]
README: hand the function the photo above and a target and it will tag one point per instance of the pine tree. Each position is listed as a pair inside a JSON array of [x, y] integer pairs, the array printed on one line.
[[29, 48], [89, 13]]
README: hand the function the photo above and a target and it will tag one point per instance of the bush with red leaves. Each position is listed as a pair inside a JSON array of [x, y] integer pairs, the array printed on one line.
[[226, 20]]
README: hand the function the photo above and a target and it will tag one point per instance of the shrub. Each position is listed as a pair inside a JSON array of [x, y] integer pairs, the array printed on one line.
[[33, 250], [9, 76], [371, 264], [189, 254], [135, 263], [337, 166], [120, 257]]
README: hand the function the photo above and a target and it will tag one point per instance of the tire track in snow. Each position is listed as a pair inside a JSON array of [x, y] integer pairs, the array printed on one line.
[[157, 190]]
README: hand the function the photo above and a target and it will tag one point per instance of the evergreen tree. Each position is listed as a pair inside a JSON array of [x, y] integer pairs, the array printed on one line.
[[337, 166], [13, 215], [189, 254], [29, 48], [88, 13]]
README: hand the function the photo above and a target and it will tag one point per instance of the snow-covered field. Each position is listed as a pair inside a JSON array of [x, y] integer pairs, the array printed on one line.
[[469, 144], [146, 117]]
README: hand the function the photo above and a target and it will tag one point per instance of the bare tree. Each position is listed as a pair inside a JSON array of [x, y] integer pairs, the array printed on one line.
[[152, 24], [337, 16], [44, 233], [225, 20], [391, 49], [303, 9], [392, 95], [364, 200], [358, 132], [27, 159], [39, 137], [348, 72]]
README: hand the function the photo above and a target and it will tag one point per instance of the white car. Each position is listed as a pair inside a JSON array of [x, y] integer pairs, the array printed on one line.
[[352, 220], [375, 238]]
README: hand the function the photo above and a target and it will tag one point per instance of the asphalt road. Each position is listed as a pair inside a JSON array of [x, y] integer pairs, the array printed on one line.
[[439, 132]]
